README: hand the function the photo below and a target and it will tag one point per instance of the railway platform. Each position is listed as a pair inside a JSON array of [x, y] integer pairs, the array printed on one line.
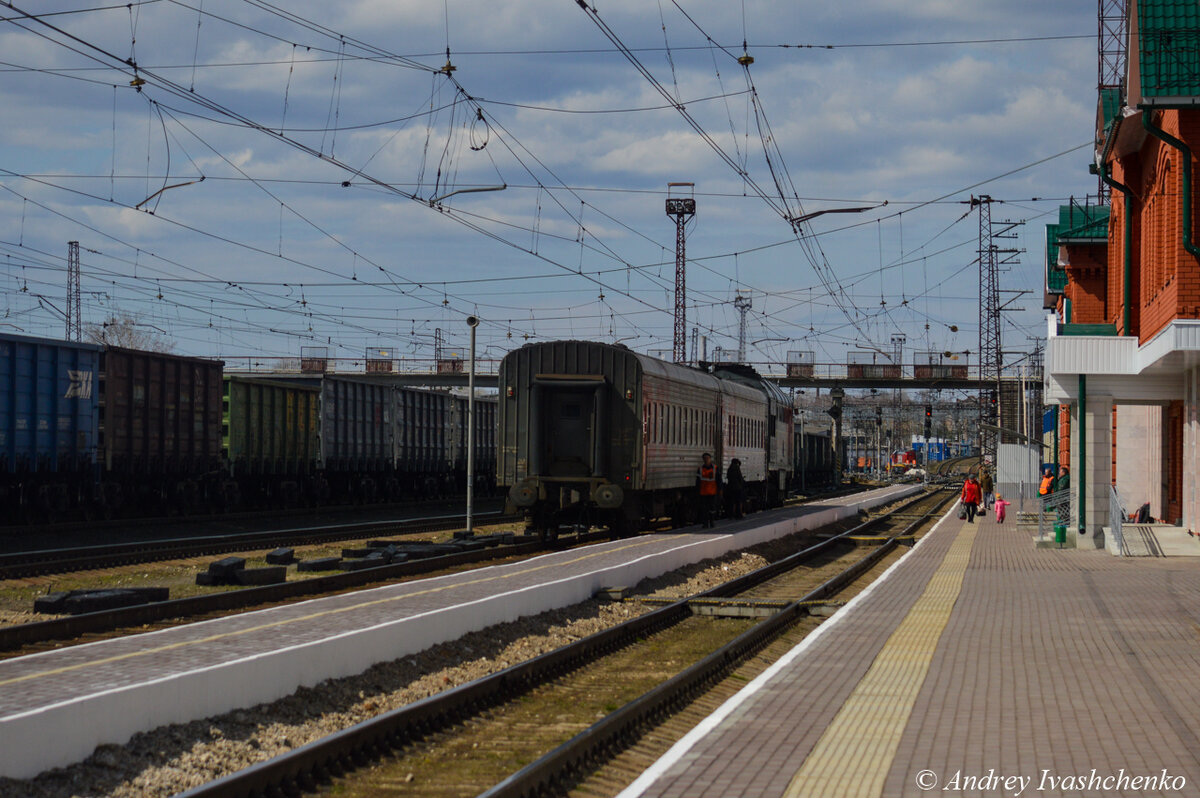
[[57, 706], [978, 665]]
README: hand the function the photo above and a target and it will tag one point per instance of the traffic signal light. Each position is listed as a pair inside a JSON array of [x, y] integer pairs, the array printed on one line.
[[928, 421], [879, 416]]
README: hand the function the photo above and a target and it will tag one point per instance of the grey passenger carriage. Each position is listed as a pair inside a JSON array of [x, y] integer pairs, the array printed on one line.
[[596, 433]]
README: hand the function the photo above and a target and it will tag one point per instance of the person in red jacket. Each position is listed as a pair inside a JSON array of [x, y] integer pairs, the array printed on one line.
[[970, 497]]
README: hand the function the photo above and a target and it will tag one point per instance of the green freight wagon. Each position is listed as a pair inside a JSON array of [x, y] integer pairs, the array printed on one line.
[[271, 439]]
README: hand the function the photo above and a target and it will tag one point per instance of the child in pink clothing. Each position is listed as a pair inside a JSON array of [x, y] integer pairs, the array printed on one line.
[[1001, 504]]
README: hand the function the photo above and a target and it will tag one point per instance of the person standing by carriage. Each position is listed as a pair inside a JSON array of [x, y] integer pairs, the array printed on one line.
[[735, 490], [708, 484]]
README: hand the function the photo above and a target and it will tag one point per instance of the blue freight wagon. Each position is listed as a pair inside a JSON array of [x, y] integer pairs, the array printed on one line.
[[49, 419]]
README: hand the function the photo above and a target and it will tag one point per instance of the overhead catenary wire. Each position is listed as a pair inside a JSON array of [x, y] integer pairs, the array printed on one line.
[[490, 218]]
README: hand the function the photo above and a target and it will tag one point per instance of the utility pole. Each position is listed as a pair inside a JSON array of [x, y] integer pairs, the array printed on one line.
[[989, 331], [742, 302], [682, 208], [74, 322], [990, 347]]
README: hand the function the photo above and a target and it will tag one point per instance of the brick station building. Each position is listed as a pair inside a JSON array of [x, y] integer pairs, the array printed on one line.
[[1123, 355]]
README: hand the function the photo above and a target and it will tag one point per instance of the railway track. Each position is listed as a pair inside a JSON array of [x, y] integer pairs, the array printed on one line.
[[81, 558], [28, 638], [22, 639], [469, 739]]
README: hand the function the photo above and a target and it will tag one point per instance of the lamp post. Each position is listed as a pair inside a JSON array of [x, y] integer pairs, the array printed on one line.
[[472, 322]]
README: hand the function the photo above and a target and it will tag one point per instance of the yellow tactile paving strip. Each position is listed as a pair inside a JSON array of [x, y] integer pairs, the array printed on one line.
[[853, 756]]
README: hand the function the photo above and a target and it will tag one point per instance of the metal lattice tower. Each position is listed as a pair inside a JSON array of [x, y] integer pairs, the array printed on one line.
[[1036, 365], [74, 312], [991, 352], [989, 331], [682, 208], [1113, 24], [1111, 41], [743, 303]]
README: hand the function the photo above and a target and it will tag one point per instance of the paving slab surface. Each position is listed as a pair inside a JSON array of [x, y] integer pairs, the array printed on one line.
[[979, 666]]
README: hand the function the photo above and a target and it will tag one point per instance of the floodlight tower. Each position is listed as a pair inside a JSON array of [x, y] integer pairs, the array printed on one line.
[[743, 302], [682, 208]]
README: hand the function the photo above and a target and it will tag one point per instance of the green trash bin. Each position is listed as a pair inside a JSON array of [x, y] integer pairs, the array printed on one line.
[[1060, 534]]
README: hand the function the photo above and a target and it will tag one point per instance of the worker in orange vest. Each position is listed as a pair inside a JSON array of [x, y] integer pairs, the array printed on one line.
[[708, 482], [1047, 483]]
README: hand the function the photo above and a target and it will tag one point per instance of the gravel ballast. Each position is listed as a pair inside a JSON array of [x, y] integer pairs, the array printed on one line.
[[178, 757]]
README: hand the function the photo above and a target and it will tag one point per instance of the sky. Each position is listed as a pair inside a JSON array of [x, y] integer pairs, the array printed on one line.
[[248, 180]]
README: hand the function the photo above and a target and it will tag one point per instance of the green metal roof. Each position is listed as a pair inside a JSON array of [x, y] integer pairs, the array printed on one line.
[[1081, 224], [1077, 222], [1087, 329], [1056, 278], [1110, 106], [1169, 48]]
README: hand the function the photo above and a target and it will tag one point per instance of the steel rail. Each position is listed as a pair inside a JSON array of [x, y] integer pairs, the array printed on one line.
[[618, 729], [12, 637], [303, 768], [81, 558], [38, 632]]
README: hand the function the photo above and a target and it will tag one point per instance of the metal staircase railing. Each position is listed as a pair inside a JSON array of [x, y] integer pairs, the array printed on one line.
[[1058, 506]]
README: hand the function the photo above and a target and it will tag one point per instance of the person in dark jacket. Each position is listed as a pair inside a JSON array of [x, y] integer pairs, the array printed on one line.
[[735, 490], [708, 486], [1063, 483], [986, 486]]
